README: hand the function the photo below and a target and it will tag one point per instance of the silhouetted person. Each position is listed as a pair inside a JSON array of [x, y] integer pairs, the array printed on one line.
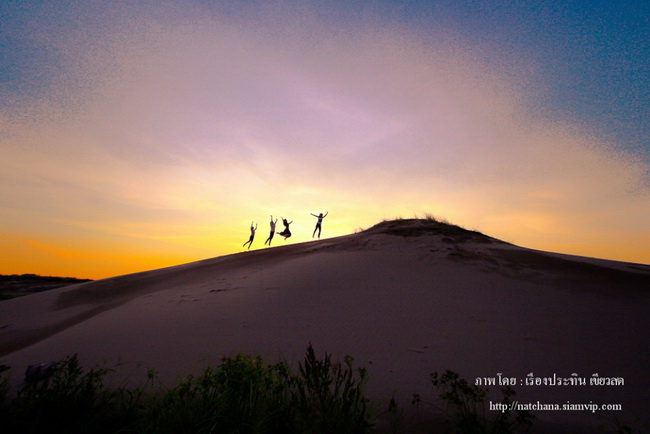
[[319, 224], [268, 240], [250, 240], [286, 233]]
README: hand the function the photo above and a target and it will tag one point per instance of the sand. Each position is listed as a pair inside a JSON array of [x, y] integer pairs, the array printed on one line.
[[405, 299]]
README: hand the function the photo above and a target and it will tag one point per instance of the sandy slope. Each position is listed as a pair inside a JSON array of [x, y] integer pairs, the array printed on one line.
[[405, 298]]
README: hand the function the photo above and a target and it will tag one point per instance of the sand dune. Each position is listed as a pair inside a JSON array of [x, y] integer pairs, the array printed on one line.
[[404, 298]]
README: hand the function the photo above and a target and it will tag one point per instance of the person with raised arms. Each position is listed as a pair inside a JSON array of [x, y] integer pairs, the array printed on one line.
[[319, 224], [250, 240], [268, 240]]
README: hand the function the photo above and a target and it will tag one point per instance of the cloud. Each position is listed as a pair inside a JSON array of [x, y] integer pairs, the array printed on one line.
[[183, 120]]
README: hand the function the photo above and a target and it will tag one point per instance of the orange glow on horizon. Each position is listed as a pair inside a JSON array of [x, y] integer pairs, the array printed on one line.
[[58, 258], [157, 142]]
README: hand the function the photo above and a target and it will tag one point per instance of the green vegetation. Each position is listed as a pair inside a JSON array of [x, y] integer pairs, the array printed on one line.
[[15, 285], [465, 406], [241, 395], [37, 278]]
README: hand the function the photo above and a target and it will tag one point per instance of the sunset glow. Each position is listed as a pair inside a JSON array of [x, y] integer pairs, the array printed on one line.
[[137, 137]]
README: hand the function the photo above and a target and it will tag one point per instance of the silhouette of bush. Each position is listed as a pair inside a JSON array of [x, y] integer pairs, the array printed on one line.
[[329, 397], [68, 401], [241, 395]]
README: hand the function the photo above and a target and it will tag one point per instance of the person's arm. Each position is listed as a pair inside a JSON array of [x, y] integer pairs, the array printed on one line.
[[326, 214], [314, 215]]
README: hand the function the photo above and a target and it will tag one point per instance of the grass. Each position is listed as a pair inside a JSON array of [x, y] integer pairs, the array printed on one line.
[[14, 285], [329, 396], [465, 405], [69, 401], [433, 218], [242, 394], [39, 278]]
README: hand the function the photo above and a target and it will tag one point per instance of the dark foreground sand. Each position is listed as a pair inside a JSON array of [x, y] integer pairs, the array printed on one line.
[[404, 298]]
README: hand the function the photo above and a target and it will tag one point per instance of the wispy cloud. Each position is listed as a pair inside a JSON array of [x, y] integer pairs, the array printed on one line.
[[180, 121]]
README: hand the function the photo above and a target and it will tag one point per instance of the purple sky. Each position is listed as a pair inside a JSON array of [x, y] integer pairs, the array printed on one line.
[[137, 136]]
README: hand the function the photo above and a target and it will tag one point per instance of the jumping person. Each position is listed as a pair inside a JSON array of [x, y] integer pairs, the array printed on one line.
[[268, 240], [286, 233], [319, 224], [250, 240]]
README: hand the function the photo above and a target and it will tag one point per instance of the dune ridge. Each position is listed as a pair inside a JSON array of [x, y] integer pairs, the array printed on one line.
[[405, 298]]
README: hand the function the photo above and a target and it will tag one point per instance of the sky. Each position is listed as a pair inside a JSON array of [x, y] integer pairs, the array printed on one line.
[[141, 134]]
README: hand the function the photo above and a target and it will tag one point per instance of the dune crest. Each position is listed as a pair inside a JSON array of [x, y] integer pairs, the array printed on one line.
[[405, 298]]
